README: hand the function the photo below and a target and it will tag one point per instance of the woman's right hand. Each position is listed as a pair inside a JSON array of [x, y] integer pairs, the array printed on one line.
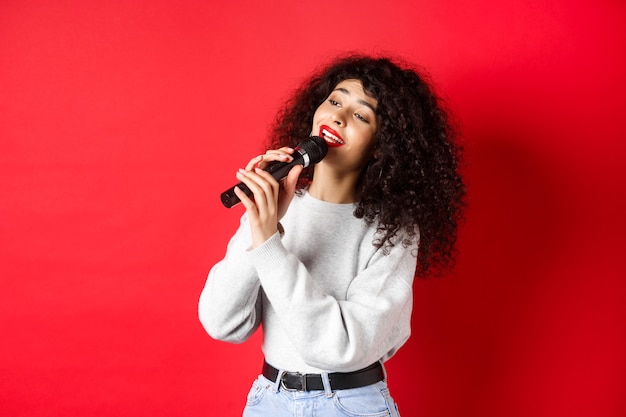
[[270, 198]]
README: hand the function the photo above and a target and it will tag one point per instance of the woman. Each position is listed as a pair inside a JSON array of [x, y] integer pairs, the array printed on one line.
[[325, 259]]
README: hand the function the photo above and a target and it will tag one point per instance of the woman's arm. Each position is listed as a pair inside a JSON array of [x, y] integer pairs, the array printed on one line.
[[230, 304]]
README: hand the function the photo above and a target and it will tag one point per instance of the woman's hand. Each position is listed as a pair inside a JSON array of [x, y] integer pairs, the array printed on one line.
[[270, 199]]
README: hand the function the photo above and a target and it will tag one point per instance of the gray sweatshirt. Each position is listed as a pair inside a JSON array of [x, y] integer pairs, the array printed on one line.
[[328, 299]]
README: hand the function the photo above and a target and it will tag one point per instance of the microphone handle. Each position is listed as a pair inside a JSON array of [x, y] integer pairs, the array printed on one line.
[[279, 170], [229, 198]]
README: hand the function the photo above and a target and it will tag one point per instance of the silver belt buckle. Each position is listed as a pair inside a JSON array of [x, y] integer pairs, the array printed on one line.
[[302, 378]]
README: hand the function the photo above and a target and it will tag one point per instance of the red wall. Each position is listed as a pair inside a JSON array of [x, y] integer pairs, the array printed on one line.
[[121, 122]]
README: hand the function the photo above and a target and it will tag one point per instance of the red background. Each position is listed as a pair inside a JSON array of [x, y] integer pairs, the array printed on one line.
[[121, 122]]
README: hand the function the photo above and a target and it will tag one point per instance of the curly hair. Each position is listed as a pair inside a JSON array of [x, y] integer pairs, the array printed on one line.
[[413, 183]]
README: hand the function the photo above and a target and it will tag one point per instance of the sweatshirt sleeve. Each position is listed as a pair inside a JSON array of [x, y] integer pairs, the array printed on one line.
[[340, 335], [230, 305]]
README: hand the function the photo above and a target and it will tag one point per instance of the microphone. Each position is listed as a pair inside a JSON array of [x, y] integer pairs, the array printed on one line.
[[308, 152]]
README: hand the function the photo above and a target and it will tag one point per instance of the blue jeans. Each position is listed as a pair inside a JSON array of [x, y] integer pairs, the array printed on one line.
[[270, 399]]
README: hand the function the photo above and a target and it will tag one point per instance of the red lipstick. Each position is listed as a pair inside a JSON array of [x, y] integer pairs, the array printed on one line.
[[332, 138]]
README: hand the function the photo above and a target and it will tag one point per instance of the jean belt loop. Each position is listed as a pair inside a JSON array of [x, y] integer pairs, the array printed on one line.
[[279, 379], [384, 370], [326, 382]]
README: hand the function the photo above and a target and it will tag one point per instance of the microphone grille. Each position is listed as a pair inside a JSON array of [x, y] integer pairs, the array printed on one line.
[[315, 147]]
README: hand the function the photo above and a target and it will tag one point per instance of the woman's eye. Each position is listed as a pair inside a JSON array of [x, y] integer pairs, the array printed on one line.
[[360, 117], [333, 102]]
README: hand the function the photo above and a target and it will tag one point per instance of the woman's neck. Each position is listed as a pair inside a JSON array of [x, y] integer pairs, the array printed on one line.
[[332, 187]]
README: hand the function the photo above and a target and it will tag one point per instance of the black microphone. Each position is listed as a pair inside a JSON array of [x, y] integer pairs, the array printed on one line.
[[308, 152]]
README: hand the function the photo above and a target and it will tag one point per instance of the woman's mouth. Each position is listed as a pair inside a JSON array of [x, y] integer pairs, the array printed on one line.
[[331, 137]]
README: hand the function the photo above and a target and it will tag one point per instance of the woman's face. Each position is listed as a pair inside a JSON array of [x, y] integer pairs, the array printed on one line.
[[347, 121]]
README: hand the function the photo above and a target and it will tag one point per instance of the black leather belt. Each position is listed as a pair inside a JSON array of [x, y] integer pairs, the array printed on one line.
[[295, 381]]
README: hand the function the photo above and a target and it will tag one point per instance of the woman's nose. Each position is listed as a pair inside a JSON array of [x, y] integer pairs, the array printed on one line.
[[339, 118]]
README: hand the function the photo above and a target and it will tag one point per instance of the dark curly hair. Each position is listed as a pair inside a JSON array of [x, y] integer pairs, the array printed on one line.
[[413, 183]]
